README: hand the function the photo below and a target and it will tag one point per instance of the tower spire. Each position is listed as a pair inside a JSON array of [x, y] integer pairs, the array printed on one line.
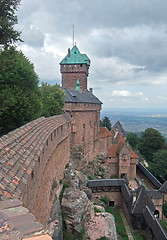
[[73, 34]]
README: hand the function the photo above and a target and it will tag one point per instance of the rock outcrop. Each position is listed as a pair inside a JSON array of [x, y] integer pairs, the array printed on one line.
[[76, 208], [101, 224]]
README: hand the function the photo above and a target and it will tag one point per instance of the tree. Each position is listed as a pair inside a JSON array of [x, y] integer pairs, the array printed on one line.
[[105, 122], [164, 209], [158, 166], [133, 139], [52, 98], [8, 19], [150, 142], [19, 92]]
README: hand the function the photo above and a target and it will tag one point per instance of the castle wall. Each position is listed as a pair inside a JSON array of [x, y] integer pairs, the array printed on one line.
[[85, 128], [47, 172], [70, 74], [105, 143], [115, 196], [146, 180], [158, 202], [113, 166], [49, 184]]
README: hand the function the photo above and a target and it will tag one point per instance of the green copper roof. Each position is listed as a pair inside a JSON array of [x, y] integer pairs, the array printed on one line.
[[76, 57]]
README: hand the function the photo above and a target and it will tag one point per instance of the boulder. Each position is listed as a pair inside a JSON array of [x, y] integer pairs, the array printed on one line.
[[101, 225], [76, 208]]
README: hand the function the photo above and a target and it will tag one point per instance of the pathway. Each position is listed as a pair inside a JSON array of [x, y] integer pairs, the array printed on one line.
[[127, 227]]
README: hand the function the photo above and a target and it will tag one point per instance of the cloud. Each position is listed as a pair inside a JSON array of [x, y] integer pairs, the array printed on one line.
[[126, 42], [127, 94]]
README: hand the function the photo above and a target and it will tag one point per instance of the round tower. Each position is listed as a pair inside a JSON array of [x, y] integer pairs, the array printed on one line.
[[75, 66]]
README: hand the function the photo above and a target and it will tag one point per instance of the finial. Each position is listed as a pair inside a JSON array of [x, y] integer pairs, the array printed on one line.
[[73, 35]]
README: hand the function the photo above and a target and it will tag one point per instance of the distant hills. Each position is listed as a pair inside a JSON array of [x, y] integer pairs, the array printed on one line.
[[137, 120]]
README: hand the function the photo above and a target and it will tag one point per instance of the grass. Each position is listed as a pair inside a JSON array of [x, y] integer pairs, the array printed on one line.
[[67, 165], [138, 237], [164, 224], [118, 222], [97, 210], [104, 200], [74, 235], [61, 194]]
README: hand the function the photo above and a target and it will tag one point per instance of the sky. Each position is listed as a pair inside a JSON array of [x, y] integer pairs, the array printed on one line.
[[126, 41]]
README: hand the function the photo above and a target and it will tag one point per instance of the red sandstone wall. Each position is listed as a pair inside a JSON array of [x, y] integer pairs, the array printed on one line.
[[85, 130], [54, 170], [105, 143], [111, 196], [70, 74], [49, 166], [158, 204]]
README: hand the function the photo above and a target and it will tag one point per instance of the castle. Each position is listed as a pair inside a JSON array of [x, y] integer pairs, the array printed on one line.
[[33, 159]]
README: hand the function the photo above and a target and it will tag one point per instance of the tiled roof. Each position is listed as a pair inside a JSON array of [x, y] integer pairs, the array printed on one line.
[[155, 194], [104, 132], [115, 149], [106, 183], [133, 154], [163, 188], [155, 226], [142, 200], [112, 151], [20, 150], [74, 96], [149, 175], [16, 222], [75, 57], [119, 127]]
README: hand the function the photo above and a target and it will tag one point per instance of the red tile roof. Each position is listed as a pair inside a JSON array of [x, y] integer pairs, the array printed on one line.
[[20, 150], [133, 154], [104, 132], [114, 149], [16, 222]]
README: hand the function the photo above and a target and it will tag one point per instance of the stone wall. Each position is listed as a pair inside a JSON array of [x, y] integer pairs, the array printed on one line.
[[85, 129], [44, 183], [32, 162], [158, 205], [105, 139], [115, 197], [70, 74]]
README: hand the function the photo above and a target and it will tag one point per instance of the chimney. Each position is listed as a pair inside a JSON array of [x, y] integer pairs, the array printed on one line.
[[68, 52], [91, 90]]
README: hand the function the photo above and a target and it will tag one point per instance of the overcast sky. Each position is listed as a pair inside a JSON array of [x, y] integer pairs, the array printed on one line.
[[126, 41]]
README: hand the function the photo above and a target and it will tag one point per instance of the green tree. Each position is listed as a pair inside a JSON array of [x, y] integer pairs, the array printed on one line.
[[133, 139], [164, 209], [105, 122], [8, 19], [150, 142], [158, 166], [19, 92], [52, 98]]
